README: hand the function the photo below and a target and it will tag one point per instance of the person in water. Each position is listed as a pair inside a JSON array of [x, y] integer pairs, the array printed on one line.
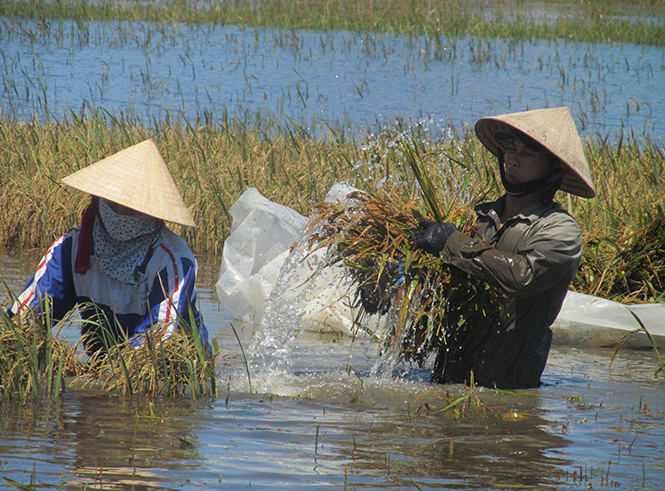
[[526, 244], [123, 268]]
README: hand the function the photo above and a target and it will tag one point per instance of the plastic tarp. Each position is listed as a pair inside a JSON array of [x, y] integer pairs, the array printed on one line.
[[259, 242], [588, 321]]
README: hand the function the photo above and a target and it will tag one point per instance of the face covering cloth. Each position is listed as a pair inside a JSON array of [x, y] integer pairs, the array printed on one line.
[[121, 242]]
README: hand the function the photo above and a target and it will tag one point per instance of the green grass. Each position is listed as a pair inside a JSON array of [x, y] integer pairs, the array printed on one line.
[[594, 20]]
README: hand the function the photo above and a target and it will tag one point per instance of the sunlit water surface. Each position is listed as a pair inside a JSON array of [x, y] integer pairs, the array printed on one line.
[[170, 70], [318, 420]]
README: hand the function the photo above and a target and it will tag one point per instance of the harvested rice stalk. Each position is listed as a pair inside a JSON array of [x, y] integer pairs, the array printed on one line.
[[173, 367], [428, 302], [34, 363]]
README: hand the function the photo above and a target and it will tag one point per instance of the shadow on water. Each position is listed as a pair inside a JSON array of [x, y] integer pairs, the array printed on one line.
[[323, 421]]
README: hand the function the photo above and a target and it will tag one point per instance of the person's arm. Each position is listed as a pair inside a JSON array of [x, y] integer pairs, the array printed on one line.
[[171, 296], [550, 251], [53, 278]]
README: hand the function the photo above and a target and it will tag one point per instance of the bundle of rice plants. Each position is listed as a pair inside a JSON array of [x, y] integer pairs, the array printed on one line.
[[35, 364], [177, 365], [428, 302]]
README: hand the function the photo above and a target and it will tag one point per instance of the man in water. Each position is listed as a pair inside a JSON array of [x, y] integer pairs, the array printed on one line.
[[123, 268], [526, 244]]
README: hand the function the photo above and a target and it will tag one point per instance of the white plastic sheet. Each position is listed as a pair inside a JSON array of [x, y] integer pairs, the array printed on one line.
[[588, 321], [261, 238], [259, 244], [261, 235]]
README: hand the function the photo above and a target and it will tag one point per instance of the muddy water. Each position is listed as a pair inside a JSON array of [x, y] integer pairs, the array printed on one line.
[[320, 421]]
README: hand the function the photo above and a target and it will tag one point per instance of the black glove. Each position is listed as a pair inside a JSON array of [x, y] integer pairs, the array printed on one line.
[[432, 236], [376, 298], [372, 301]]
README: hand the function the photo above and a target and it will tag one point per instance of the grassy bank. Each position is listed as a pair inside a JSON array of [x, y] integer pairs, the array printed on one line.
[[214, 164], [626, 21]]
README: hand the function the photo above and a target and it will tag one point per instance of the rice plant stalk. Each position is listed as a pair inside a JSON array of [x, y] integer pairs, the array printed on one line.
[[373, 237], [34, 363], [428, 192]]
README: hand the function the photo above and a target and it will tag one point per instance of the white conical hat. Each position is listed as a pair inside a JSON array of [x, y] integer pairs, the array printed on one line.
[[555, 130], [137, 178]]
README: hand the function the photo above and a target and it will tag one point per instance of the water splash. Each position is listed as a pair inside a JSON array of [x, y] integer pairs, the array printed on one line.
[[310, 329]]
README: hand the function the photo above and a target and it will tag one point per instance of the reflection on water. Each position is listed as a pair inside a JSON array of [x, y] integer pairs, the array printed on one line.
[[91, 438], [317, 425], [167, 69]]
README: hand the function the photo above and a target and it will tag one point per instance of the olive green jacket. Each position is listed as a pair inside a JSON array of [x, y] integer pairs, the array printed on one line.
[[533, 258]]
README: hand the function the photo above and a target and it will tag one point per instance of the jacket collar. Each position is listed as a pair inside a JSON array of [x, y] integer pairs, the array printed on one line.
[[532, 212]]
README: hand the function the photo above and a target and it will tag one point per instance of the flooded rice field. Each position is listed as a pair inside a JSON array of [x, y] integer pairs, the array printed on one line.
[[318, 415], [167, 70], [319, 419]]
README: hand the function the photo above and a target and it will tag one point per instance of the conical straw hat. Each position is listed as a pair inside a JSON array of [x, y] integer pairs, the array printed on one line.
[[555, 130], [137, 178]]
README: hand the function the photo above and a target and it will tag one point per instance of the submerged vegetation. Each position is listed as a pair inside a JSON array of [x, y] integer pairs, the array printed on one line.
[[626, 21]]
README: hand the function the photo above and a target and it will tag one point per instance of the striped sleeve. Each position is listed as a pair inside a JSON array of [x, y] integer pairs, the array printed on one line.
[[53, 278]]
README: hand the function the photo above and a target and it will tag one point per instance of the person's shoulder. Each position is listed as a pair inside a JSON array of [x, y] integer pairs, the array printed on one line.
[[557, 212], [171, 244], [67, 239], [555, 216]]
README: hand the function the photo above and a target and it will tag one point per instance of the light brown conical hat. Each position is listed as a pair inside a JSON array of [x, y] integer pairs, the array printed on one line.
[[137, 178], [555, 130]]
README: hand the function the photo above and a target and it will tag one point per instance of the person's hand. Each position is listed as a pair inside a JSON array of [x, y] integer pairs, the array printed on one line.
[[432, 236], [376, 298]]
